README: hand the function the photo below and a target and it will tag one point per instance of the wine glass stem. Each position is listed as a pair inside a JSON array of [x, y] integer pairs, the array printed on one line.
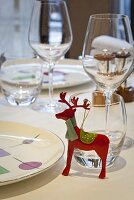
[[51, 68], [108, 95]]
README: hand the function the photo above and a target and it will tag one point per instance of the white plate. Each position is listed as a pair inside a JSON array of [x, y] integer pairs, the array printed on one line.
[[26, 151], [66, 74]]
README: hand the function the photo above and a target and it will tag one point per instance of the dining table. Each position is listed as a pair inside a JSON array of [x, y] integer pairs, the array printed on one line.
[[82, 183]]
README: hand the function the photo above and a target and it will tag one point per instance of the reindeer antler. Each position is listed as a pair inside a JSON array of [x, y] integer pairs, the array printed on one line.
[[63, 100], [85, 104], [74, 101]]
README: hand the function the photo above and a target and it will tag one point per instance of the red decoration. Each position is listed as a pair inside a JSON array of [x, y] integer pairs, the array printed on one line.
[[100, 142]]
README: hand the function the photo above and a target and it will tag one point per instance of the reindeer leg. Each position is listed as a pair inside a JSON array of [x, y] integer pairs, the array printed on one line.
[[103, 170], [69, 158], [102, 152]]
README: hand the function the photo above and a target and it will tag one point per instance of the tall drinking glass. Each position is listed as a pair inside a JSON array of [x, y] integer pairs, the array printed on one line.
[[108, 53], [50, 36], [94, 122]]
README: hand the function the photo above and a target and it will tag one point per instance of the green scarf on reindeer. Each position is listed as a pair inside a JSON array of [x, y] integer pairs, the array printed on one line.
[[71, 133]]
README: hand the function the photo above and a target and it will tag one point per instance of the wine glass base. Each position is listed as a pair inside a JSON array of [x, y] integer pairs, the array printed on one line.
[[48, 107]]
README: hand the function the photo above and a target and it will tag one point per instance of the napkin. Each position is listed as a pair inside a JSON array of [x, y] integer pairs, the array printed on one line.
[[110, 43]]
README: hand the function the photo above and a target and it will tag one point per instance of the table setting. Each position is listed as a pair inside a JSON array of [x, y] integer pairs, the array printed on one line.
[[119, 176], [65, 132]]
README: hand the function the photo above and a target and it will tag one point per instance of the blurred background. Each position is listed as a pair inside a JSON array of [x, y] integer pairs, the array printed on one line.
[[15, 19]]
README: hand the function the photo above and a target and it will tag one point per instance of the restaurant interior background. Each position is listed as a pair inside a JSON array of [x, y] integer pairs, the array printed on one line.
[[15, 19]]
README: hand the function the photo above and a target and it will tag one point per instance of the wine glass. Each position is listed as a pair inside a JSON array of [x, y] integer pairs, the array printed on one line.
[[108, 53], [50, 36]]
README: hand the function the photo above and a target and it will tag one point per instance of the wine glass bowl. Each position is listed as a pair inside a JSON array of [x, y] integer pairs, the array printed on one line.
[[108, 51], [50, 36]]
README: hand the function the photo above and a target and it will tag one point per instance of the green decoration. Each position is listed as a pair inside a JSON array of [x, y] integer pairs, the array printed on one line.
[[87, 137], [3, 170]]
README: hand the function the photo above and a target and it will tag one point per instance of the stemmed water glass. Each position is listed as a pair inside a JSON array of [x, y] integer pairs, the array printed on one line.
[[108, 53], [50, 36]]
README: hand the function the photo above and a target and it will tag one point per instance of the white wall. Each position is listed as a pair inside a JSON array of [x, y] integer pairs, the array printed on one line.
[[14, 25]]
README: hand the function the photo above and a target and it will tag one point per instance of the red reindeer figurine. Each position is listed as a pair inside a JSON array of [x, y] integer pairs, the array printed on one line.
[[91, 141]]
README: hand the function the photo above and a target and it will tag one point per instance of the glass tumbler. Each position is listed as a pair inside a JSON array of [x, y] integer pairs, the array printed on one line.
[[21, 80], [95, 123]]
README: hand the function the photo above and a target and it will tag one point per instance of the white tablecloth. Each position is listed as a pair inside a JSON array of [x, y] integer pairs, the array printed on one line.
[[81, 183]]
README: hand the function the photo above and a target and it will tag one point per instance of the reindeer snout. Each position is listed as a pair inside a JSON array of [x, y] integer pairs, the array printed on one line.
[[61, 115], [57, 116]]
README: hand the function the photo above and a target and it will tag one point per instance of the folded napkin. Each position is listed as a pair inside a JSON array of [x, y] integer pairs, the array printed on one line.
[[111, 44]]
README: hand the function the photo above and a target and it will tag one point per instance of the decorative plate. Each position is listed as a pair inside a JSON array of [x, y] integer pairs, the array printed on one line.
[[26, 151]]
